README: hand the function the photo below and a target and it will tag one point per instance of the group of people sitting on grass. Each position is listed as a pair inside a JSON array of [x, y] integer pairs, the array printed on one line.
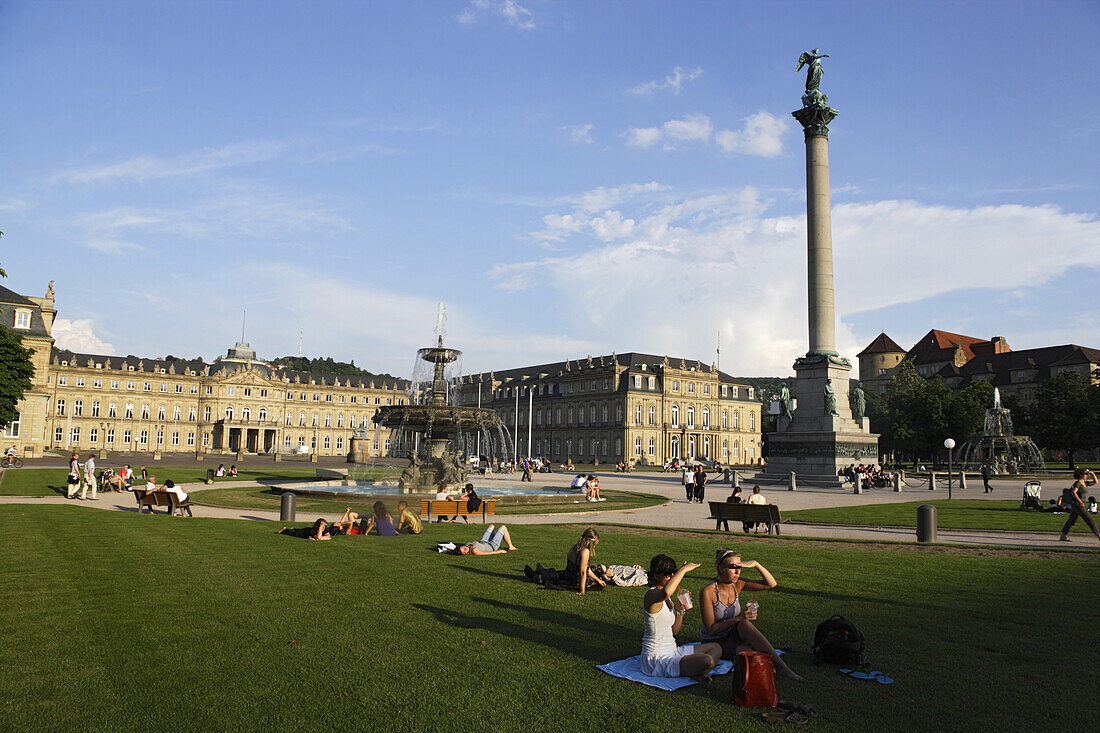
[[221, 471], [380, 521]]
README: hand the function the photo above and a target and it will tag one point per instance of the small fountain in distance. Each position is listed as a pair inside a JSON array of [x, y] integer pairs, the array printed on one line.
[[443, 429], [997, 446]]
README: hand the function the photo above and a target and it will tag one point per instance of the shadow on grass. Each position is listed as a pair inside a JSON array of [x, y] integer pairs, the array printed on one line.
[[482, 571], [545, 617], [542, 633]]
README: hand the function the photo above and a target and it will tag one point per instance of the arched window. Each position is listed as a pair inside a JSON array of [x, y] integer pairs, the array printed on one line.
[[653, 414], [246, 414], [637, 414], [736, 420], [229, 412], [725, 449], [706, 418], [725, 419], [752, 421], [675, 417], [674, 448], [262, 414], [691, 416]]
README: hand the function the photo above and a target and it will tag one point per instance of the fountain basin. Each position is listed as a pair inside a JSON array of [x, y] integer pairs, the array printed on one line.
[[355, 489]]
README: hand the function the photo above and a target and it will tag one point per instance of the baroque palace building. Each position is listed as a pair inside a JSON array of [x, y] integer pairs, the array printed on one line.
[[960, 360], [635, 407], [235, 405]]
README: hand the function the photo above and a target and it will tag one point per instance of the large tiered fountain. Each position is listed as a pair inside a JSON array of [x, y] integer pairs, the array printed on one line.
[[999, 448], [440, 433]]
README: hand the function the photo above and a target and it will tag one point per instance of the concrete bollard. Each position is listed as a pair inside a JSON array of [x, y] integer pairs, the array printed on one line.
[[962, 480], [736, 480], [897, 482], [932, 482], [926, 523], [792, 484], [287, 506], [858, 484]]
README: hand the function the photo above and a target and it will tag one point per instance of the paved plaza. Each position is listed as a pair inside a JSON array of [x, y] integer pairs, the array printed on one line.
[[677, 513]]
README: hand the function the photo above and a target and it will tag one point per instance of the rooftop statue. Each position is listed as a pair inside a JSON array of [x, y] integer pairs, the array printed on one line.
[[813, 74]]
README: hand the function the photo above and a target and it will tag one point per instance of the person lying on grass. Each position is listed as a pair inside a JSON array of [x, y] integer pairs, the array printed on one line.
[[725, 621], [408, 520], [661, 657], [381, 521], [318, 531], [347, 525], [489, 544]]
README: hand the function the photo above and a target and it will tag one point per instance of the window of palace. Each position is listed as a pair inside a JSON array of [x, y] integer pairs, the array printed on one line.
[[130, 386], [638, 446], [263, 393], [653, 414], [148, 386], [246, 414], [78, 407], [230, 391], [691, 387], [725, 419], [114, 384], [752, 393], [691, 416], [733, 391], [58, 434], [593, 385], [22, 319], [637, 414], [706, 419], [60, 408], [179, 389], [328, 398], [163, 387], [724, 390], [652, 446], [112, 409], [62, 381], [95, 409], [129, 414], [247, 391], [651, 382], [706, 389], [76, 435], [80, 381], [675, 385], [11, 430], [675, 416], [752, 421]]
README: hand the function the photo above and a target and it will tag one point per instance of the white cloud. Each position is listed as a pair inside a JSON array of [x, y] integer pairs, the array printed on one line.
[[578, 133], [692, 127], [690, 264], [239, 211], [643, 137], [146, 167], [79, 335], [673, 81], [510, 11], [762, 135]]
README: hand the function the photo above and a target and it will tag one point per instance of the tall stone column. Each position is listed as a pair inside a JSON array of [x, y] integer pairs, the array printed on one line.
[[822, 435]]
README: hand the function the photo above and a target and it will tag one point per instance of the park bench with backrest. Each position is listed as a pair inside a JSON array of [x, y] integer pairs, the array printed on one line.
[[165, 499], [723, 513], [452, 508]]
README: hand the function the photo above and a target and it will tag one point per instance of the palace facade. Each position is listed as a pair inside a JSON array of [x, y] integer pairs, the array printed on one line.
[[960, 360], [237, 404], [640, 408]]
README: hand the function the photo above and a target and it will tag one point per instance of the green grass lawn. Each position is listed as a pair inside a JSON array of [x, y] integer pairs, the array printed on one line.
[[955, 514], [260, 498], [115, 621], [52, 481]]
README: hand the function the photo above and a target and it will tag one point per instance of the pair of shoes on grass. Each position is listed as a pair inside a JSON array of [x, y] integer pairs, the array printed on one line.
[[786, 717]]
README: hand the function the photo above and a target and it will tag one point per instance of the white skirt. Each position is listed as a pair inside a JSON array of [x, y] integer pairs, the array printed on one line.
[[667, 665]]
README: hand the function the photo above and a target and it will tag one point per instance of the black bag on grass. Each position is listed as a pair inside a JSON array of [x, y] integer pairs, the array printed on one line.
[[838, 641]]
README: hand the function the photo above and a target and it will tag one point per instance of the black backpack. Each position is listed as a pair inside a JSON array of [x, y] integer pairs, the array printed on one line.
[[838, 641]]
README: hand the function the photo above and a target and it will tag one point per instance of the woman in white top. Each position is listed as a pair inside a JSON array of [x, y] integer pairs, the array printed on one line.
[[661, 657]]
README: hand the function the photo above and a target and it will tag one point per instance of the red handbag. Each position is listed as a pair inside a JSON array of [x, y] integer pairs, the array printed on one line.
[[754, 681]]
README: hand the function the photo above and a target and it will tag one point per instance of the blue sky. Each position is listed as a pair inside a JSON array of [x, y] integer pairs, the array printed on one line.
[[571, 178]]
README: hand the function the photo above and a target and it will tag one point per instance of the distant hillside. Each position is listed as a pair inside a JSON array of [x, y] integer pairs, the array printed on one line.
[[324, 366], [768, 388]]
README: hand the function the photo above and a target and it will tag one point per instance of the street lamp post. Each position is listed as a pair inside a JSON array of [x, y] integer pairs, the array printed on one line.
[[949, 444]]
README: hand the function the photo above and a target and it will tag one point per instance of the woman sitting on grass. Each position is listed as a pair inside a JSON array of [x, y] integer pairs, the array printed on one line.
[[316, 532], [381, 521], [489, 544], [661, 657], [579, 568], [725, 621]]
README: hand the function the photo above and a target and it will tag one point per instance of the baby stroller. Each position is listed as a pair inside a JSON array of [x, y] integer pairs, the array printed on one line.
[[1033, 491]]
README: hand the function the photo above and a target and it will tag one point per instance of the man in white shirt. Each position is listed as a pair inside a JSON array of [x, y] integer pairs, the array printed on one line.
[[89, 478], [757, 497], [579, 482], [171, 488]]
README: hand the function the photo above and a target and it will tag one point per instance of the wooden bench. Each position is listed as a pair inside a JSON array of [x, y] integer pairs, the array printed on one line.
[[451, 508], [723, 513], [162, 498]]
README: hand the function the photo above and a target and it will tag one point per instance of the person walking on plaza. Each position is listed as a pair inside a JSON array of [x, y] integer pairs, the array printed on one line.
[[89, 478], [689, 484], [526, 469], [75, 477], [987, 474], [1082, 479], [700, 482]]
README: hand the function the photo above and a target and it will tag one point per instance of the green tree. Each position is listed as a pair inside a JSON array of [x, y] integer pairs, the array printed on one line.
[[966, 410], [1066, 414], [16, 370]]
